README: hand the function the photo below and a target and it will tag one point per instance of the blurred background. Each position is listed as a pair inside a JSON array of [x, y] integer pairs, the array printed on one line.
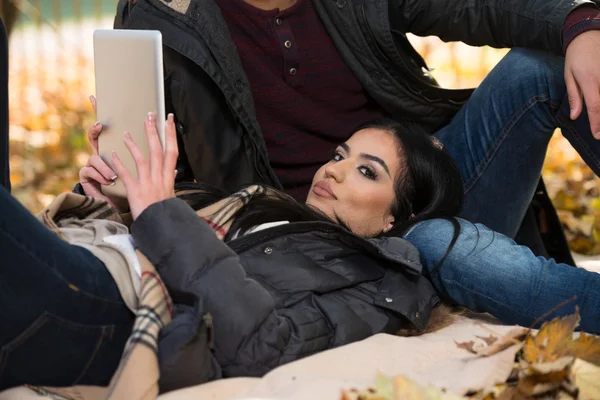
[[52, 76]]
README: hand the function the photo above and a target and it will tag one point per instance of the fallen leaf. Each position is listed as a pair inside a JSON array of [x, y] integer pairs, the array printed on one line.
[[585, 347], [511, 393], [468, 346], [495, 345], [406, 389], [560, 365], [551, 336], [529, 387], [398, 388], [384, 386], [586, 377], [488, 340]]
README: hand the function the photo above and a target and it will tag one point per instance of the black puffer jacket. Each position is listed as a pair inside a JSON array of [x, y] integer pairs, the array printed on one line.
[[275, 295]]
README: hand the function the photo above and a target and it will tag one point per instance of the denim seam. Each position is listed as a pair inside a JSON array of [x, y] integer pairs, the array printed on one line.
[[504, 133], [50, 268], [564, 125], [93, 356]]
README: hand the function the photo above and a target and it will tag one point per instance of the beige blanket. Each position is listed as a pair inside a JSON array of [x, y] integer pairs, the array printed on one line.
[[429, 359]]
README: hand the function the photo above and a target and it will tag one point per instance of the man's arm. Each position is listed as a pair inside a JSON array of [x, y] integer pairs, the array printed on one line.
[[497, 23]]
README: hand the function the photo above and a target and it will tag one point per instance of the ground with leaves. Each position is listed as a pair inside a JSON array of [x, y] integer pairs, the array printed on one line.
[[552, 363]]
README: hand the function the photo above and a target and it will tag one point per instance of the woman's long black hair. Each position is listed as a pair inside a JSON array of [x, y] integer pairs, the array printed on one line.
[[429, 186]]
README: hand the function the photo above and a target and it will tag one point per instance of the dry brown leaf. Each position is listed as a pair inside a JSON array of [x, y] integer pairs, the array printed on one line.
[[468, 346], [495, 345], [488, 340], [551, 336], [585, 347], [586, 377]]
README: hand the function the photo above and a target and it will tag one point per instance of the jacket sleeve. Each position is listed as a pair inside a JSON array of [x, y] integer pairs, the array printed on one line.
[[252, 337], [496, 23]]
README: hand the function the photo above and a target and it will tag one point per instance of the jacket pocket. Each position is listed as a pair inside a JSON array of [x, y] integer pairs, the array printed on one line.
[[51, 351]]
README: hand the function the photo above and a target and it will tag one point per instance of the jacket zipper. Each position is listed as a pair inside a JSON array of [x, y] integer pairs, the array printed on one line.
[[250, 240], [210, 333]]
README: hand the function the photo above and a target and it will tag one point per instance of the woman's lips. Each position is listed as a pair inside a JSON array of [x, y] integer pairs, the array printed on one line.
[[323, 189]]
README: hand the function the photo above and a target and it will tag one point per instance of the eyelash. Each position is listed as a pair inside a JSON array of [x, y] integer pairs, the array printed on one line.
[[366, 170]]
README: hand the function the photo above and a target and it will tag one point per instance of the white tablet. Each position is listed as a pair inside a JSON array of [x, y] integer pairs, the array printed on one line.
[[129, 84]]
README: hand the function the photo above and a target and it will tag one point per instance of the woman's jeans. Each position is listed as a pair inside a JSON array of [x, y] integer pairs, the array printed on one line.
[[499, 140], [62, 319]]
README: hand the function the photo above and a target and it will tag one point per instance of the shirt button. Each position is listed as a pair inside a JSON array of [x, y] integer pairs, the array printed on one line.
[[239, 85], [293, 71], [268, 250], [417, 315], [287, 44], [341, 3], [388, 299], [278, 21]]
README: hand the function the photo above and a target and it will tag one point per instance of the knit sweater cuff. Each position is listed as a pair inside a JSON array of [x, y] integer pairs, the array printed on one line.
[[581, 20]]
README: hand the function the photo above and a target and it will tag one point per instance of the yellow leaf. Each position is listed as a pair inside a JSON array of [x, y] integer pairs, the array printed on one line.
[[406, 389], [596, 204], [585, 347], [543, 347]]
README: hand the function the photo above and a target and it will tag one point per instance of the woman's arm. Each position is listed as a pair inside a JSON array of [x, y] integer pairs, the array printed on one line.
[[497, 23]]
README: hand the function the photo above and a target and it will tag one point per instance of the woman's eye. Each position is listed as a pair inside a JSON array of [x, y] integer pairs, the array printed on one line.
[[337, 156], [368, 172]]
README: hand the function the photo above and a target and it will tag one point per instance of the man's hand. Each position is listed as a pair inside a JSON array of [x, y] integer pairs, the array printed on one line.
[[582, 75]]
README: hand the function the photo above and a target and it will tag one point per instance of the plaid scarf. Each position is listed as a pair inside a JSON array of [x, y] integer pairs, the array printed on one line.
[[138, 372]]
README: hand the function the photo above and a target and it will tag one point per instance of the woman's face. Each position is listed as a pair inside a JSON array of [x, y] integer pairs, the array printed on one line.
[[357, 185]]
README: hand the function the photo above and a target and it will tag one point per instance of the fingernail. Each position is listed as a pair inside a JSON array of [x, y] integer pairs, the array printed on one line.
[[113, 184], [127, 135], [96, 124], [91, 98], [170, 116], [150, 116], [113, 178]]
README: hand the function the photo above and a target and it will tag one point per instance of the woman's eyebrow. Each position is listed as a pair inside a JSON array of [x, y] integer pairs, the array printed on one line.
[[368, 157], [345, 147], [377, 160]]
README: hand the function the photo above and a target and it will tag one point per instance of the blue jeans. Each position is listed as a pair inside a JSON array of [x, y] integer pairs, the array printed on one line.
[[62, 319], [499, 140], [500, 137], [488, 272]]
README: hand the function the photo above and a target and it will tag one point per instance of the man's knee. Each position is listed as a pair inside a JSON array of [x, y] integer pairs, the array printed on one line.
[[526, 64]]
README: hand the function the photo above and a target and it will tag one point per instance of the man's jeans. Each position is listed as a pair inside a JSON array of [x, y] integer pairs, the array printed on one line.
[[62, 319], [499, 140]]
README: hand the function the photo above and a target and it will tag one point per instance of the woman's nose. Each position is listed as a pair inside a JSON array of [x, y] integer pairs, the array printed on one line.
[[336, 171]]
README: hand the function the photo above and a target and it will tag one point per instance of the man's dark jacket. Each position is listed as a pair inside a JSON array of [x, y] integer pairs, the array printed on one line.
[[207, 90]]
